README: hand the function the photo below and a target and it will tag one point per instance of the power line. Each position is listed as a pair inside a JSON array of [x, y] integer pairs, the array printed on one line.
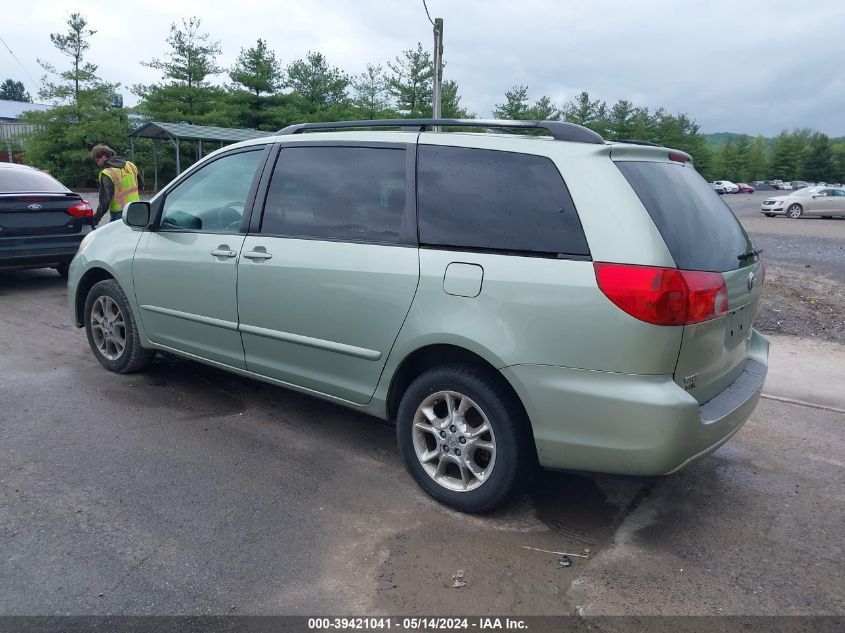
[[427, 13], [34, 83]]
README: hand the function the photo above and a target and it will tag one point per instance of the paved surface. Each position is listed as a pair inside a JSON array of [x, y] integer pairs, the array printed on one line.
[[187, 490], [756, 528]]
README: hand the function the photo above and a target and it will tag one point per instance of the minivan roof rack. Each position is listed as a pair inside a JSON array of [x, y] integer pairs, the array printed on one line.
[[560, 130]]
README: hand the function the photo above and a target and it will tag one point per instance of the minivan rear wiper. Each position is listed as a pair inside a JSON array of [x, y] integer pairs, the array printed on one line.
[[745, 256]]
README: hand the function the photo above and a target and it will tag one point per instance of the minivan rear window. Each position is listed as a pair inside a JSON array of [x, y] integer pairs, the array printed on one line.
[[496, 201], [699, 229]]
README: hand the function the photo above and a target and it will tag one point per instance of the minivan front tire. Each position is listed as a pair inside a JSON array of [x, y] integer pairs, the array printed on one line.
[[112, 331], [464, 438]]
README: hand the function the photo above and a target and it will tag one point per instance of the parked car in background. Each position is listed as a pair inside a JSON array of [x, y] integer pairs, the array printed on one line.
[[720, 189], [785, 186], [42, 222], [404, 267], [775, 183], [826, 202], [799, 184], [745, 188], [762, 185], [728, 185]]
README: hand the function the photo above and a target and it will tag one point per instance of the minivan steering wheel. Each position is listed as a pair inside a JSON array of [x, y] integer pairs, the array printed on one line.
[[229, 216]]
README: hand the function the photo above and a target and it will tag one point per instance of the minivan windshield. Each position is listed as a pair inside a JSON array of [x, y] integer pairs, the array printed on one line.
[[699, 229]]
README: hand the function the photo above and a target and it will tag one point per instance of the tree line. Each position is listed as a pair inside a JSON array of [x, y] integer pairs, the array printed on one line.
[[261, 92], [801, 154]]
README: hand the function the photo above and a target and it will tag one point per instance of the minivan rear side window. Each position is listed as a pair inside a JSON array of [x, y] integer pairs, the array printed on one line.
[[496, 201], [699, 229], [337, 193]]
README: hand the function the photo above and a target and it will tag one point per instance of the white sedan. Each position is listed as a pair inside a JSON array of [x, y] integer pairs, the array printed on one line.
[[826, 202], [728, 185]]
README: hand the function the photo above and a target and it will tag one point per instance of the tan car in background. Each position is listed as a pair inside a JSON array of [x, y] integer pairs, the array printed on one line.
[[826, 202]]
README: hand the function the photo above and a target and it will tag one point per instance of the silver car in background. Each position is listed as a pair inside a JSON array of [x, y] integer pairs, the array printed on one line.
[[826, 202]]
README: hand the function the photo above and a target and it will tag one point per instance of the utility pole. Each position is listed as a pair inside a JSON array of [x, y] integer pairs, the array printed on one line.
[[438, 68]]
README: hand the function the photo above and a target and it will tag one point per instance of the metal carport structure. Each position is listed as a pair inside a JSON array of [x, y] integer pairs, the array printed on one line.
[[158, 131]]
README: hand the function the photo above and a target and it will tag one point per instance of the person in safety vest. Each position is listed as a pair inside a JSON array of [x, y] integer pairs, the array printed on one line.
[[119, 181]]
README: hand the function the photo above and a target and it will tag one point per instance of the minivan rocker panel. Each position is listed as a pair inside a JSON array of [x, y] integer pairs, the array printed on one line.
[[491, 334]]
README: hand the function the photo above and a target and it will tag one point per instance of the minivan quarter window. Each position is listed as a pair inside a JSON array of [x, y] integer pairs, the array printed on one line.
[[498, 201], [212, 199], [353, 194]]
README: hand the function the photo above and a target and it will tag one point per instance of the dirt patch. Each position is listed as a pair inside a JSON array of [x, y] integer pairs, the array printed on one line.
[[799, 303]]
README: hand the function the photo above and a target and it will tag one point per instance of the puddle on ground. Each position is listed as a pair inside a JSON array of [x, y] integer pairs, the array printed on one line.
[[585, 508]]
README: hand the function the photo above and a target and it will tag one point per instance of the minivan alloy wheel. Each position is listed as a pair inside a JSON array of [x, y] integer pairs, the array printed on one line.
[[108, 327], [454, 441], [112, 330]]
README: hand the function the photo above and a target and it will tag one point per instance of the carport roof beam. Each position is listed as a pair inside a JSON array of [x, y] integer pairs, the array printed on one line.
[[188, 132]]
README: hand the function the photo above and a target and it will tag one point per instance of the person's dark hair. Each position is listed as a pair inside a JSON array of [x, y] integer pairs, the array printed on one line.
[[102, 150]]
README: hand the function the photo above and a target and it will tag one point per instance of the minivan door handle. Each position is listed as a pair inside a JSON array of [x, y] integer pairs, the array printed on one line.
[[262, 254], [223, 251]]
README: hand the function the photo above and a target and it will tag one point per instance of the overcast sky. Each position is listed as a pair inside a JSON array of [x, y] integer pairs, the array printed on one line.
[[755, 66]]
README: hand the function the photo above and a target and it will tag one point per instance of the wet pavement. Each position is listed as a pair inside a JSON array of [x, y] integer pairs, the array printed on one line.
[[187, 490]]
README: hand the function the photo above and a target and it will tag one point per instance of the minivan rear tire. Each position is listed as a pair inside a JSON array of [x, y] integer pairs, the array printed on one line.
[[502, 455], [112, 331]]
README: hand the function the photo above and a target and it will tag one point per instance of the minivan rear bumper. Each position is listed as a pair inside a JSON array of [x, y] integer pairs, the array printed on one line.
[[632, 424]]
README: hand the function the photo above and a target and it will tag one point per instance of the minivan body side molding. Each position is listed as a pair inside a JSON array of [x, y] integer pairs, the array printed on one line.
[[307, 341], [189, 316]]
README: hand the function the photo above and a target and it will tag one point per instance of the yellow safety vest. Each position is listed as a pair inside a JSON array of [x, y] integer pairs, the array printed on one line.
[[125, 181]]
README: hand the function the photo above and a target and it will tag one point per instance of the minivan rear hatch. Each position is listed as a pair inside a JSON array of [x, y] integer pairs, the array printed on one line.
[[702, 234]]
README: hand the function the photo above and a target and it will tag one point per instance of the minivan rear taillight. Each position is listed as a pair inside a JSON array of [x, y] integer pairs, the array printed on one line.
[[81, 210], [663, 296]]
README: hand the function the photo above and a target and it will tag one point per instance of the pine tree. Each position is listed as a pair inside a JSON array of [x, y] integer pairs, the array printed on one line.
[[411, 82], [82, 115], [785, 158], [818, 163], [515, 107], [838, 161], [756, 167], [370, 95], [257, 70], [12, 90], [544, 110], [185, 93], [731, 161], [582, 110], [621, 123], [450, 102], [743, 152], [315, 80]]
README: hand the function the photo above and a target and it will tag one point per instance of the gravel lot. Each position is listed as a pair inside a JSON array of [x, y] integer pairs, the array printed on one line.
[[804, 293]]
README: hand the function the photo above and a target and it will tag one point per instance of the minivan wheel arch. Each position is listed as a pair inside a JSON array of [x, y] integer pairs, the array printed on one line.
[[425, 358], [91, 277]]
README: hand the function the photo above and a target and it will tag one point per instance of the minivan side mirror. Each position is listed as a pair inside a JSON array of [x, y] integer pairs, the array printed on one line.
[[137, 214]]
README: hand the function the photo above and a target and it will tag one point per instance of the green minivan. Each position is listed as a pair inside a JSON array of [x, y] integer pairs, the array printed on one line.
[[506, 299]]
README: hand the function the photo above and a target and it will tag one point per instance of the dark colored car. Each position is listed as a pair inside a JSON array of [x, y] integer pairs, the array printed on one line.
[[745, 187], [42, 222]]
